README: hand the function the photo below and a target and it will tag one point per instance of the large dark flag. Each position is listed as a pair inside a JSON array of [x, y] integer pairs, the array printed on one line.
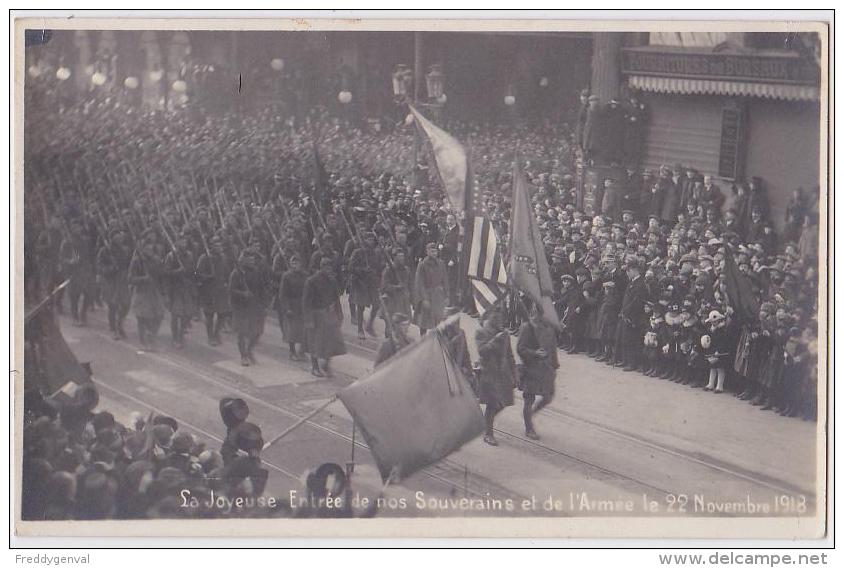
[[739, 290], [527, 266], [50, 362], [415, 409], [450, 158]]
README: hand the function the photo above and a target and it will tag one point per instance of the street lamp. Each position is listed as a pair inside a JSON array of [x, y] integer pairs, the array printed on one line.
[[180, 86], [277, 64], [131, 83], [402, 78], [434, 81], [345, 96], [63, 73], [99, 79]]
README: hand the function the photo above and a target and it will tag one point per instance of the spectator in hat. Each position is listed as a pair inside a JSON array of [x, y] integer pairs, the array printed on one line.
[[608, 320], [568, 306], [630, 324]]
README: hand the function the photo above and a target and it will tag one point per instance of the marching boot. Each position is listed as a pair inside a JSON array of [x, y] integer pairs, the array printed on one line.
[[293, 355], [370, 325], [242, 348], [315, 367]]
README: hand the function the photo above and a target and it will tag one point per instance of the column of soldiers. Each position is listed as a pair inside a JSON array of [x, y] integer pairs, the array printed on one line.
[[232, 275]]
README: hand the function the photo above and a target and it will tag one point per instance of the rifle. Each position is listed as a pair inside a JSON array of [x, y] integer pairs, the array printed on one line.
[[388, 227], [349, 228], [34, 311]]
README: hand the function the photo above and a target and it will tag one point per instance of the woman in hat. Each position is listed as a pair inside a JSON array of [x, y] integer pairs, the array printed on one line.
[[537, 347], [497, 369]]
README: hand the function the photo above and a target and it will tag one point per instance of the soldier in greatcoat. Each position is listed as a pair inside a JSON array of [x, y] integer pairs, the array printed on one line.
[[179, 270], [147, 300], [248, 285], [498, 374], [365, 268], [396, 340], [289, 301], [537, 347], [429, 290], [212, 273], [112, 270], [396, 284], [77, 262], [323, 318]]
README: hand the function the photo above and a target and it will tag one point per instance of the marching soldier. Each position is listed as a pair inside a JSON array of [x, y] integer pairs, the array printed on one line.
[[247, 289], [396, 340], [289, 302], [429, 289], [147, 301], [538, 350], [179, 269], [213, 273], [497, 369], [112, 269], [78, 265], [365, 267], [323, 317], [396, 284]]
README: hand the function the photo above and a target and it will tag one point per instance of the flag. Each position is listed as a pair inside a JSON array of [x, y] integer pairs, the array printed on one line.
[[486, 269], [50, 361], [415, 409], [483, 262], [527, 267], [450, 158], [739, 290]]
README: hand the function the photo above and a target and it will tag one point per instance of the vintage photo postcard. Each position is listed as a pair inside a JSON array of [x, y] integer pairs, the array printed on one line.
[[445, 278]]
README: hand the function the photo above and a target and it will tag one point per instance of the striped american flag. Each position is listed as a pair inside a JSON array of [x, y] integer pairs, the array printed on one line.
[[485, 265]]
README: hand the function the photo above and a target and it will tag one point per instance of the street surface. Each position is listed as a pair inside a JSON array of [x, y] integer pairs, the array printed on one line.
[[613, 443]]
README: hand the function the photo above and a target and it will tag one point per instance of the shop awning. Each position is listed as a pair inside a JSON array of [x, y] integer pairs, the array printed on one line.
[[716, 87]]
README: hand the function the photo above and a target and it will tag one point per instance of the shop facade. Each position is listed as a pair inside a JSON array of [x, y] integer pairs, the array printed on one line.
[[732, 112]]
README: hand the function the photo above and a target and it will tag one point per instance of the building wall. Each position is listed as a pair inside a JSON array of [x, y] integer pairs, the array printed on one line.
[[781, 141], [683, 129], [783, 148]]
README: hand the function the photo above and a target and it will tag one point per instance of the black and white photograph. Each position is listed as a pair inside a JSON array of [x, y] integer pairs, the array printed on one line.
[[532, 278]]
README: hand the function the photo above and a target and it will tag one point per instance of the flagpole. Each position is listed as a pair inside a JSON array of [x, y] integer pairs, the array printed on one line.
[[417, 83], [300, 422]]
